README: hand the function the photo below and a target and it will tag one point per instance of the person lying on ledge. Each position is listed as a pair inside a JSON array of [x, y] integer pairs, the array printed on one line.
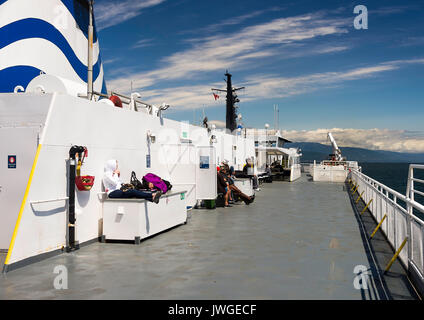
[[113, 184]]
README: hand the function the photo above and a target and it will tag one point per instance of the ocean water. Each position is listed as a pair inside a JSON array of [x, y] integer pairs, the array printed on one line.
[[395, 176]]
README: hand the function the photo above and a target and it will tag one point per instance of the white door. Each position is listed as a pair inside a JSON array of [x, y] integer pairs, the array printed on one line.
[[206, 184], [17, 151]]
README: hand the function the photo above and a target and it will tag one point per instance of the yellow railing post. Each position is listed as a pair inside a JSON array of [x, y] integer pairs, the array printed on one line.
[[366, 207], [355, 189], [360, 196], [354, 185], [396, 255], [378, 227]]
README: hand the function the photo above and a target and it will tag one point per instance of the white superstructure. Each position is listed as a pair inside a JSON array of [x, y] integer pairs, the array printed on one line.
[[38, 129], [44, 112], [269, 146], [336, 169]]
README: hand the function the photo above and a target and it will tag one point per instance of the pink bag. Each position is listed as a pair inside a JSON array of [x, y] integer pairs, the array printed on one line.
[[157, 182]]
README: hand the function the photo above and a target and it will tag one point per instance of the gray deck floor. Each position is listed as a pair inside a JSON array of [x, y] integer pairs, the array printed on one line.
[[298, 240]]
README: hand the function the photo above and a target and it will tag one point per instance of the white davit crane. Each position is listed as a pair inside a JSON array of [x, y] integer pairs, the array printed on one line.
[[336, 151]]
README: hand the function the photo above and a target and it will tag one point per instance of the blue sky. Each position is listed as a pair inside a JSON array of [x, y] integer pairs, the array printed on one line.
[[305, 56]]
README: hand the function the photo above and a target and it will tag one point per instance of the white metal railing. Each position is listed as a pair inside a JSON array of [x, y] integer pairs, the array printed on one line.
[[400, 222], [410, 190], [347, 164]]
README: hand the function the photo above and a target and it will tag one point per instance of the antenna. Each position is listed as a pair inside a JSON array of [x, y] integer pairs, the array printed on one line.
[[278, 118], [232, 99]]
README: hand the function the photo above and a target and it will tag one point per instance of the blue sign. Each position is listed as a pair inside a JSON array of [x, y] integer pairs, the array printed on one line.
[[204, 162], [147, 160], [11, 162]]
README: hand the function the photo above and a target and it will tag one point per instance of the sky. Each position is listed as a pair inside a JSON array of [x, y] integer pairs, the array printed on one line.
[[307, 57]]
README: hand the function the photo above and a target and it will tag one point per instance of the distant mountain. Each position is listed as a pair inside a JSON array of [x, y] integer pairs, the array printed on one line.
[[316, 151]]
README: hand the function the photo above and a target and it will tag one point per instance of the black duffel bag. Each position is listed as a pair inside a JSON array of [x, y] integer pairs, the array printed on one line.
[[168, 184], [135, 182]]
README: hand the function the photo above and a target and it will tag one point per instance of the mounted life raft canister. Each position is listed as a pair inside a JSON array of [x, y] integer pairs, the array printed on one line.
[[83, 183]]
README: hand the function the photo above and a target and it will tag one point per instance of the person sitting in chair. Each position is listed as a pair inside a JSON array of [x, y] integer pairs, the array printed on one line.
[[229, 172], [223, 186], [112, 183]]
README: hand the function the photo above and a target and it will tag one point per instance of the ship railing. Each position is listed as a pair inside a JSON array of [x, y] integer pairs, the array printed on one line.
[[401, 218], [346, 163], [137, 102], [411, 191]]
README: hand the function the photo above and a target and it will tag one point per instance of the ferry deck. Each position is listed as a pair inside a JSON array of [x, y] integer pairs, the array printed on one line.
[[299, 240]]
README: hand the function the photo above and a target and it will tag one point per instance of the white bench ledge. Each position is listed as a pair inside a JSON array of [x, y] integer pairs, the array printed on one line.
[[136, 219]]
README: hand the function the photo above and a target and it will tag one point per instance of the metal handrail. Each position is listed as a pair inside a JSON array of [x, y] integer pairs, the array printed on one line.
[[410, 191], [375, 184], [396, 196], [403, 224], [129, 98]]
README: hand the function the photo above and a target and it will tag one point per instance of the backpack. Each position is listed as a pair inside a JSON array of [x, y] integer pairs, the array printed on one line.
[[157, 182]]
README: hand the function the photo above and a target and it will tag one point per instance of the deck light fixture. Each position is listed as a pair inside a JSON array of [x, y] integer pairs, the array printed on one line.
[[151, 136]]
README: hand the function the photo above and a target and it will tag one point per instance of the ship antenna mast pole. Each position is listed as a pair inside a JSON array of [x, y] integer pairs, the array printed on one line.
[[231, 115], [90, 51]]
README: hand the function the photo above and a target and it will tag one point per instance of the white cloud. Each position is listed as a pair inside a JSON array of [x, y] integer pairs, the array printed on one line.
[[220, 52], [143, 43], [278, 38], [258, 87], [385, 11], [272, 86], [184, 97], [113, 12], [411, 41], [231, 21], [374, 139], [110, 61], [218, 123]]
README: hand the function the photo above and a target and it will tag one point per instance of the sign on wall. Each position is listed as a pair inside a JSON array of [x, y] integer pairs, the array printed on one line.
[[11, 161], [148, 161], [204, 162]]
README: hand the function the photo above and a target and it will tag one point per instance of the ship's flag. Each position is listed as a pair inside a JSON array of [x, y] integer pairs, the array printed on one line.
[[215, 96]]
